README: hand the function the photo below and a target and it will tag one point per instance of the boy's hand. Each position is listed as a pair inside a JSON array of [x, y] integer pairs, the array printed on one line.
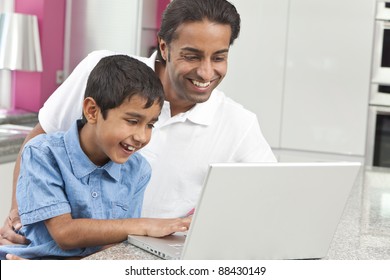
[[7, 232], [163, 227], [14, 257]]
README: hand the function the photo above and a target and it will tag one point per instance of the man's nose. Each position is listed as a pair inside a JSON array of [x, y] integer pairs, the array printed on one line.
[[205, 70]]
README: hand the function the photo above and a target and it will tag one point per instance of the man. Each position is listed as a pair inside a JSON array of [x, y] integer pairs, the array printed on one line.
[[198, 123]]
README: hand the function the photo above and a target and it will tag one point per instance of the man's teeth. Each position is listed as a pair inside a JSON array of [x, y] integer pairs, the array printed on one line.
[[199, 84]]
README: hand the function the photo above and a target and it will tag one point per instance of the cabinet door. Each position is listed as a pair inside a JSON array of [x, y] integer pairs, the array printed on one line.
[[256, 62], [327, 75], [6, 174], [95, 25]]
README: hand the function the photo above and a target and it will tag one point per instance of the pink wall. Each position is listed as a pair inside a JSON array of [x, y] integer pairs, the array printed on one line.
[[31, 89], [162, 4]]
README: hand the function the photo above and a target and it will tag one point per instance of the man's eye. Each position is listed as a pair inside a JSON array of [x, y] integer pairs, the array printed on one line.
[[151, 125], [219, 58], [190, 57]]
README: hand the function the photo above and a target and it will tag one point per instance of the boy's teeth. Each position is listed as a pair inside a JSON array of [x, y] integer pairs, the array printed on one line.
[[199, 84], [128, 147]]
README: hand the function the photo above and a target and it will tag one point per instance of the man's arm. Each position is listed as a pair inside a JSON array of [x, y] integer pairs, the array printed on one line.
[[7, 233], [72, 233]]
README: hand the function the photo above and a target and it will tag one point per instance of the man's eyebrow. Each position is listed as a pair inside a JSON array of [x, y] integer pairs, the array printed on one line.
[[201, 52]]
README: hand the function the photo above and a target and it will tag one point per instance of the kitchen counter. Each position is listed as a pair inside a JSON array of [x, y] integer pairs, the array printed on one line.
[[363, 232], [14, 127]]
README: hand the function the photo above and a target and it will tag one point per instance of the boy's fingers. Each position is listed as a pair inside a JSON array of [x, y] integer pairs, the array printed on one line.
[[13, 257], [14, 219]]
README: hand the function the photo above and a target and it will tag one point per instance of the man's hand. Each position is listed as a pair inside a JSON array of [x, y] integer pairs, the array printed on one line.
[[7, 232]]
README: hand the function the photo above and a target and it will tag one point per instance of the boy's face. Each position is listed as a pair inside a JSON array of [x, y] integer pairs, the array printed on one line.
[[196, 61], [125, 130]]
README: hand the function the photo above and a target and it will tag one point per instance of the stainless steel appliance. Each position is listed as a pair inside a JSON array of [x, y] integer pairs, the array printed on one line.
[[378, 133], [381, 55]]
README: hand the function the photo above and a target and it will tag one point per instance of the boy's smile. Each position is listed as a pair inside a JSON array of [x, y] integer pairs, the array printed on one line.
[[125, 130]]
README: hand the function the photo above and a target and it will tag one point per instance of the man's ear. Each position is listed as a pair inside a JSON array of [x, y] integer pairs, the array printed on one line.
[[163, 48], [91, 110]]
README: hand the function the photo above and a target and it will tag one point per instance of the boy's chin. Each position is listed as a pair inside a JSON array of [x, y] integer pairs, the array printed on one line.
[[121, 161]]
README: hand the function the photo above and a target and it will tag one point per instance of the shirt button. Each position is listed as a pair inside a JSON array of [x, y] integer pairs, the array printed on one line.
[[94, 194]]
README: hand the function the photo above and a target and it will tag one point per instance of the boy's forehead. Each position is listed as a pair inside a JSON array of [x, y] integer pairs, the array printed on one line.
[[139, 101]]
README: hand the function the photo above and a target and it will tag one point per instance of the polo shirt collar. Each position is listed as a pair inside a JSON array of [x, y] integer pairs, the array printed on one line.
[[81, 164], [201, 113]]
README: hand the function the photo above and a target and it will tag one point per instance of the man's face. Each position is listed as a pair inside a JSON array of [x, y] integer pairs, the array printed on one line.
[[196, 61]]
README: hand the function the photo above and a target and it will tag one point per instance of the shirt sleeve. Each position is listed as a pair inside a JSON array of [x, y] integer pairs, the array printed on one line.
[[40, 190], [64, 106], [253, 147]]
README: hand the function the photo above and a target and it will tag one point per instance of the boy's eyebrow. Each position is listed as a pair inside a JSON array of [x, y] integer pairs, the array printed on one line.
[[140, 116]]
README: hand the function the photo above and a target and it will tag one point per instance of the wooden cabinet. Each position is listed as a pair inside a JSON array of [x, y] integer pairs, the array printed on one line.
[[303, 66]]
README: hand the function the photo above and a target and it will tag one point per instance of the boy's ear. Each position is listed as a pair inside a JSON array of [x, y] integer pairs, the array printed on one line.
[[91, 110]]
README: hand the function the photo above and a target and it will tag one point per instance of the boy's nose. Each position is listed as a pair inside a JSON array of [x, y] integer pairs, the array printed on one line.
[[140, 136]]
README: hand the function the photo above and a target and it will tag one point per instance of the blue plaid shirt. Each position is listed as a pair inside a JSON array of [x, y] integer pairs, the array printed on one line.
[[56, 178]]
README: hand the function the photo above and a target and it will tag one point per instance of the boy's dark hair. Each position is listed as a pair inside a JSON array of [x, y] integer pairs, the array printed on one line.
[[182, 11], [119, 77]]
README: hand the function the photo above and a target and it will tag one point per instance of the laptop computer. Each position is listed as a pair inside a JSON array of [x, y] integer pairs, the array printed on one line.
[[262, 211]]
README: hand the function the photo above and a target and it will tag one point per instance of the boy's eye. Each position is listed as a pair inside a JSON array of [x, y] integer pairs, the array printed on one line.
[[151, 125], [132, 121]]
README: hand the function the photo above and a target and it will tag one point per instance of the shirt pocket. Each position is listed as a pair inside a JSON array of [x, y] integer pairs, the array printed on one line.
[[120, 210]]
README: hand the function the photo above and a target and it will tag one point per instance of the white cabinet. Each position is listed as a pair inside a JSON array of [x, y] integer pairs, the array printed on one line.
[[6, 175], [327, 75], [303, 66], [256, 62], [119, 25]]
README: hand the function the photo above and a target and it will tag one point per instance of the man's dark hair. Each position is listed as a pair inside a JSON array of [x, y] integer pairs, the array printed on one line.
[[182, 11], [119, 77]]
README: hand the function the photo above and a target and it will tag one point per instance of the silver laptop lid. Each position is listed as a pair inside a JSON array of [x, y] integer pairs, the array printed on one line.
[[269, 210], [263, 211]]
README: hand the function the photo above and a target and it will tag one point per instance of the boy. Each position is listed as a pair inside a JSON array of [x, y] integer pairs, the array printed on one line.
[[81, 189]]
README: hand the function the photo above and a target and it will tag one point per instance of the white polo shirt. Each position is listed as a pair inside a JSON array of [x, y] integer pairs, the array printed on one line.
[[182, 146]]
